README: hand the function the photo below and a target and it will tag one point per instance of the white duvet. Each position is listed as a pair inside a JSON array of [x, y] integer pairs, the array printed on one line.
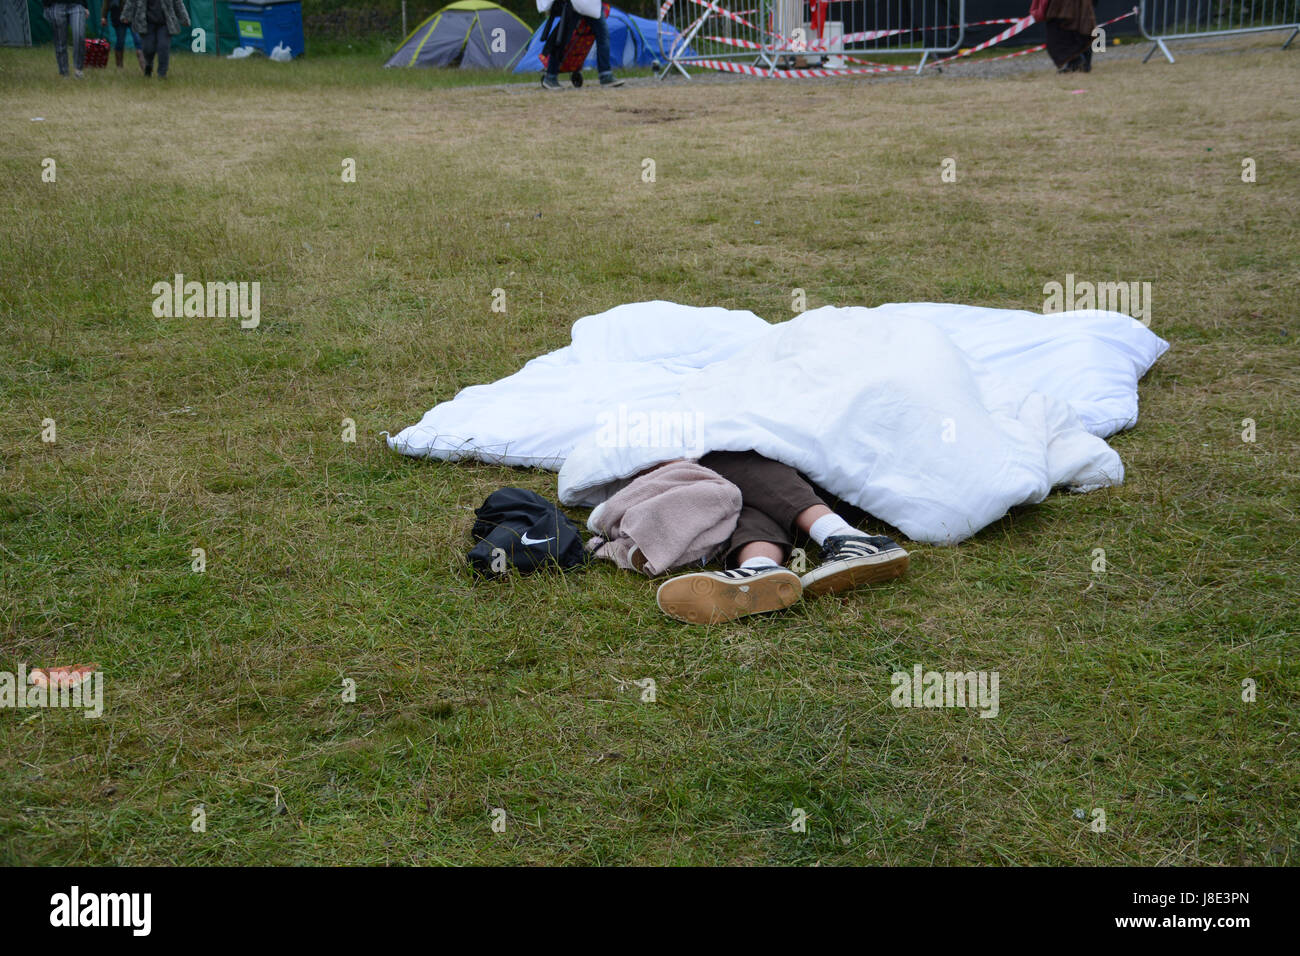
[[934, 418]]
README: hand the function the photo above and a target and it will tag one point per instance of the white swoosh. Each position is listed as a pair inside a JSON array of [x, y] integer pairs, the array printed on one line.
[[527, 540]]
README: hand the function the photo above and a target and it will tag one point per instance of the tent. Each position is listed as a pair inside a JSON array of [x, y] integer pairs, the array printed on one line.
[[468, 33], [633, 41]]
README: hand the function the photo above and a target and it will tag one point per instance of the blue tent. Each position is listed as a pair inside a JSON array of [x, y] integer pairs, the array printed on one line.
[[633, 41]]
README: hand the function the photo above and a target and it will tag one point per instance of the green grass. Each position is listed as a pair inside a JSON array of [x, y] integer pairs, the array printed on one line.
[[329, 561]]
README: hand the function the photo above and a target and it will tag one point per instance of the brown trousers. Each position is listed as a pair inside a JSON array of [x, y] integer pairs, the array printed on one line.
[[772, 495]]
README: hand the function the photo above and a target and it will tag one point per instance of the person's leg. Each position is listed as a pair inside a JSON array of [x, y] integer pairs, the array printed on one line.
[[164, 51], [119, 35], [600, 29], [774, 496], [790, 503], [603, 65], [777, 501], [77, 35], [56, 14], [550, 77], [149, 45], [759, 554], [139, 47], [757, 582]]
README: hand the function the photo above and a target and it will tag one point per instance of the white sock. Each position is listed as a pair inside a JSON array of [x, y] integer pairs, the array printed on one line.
[[828, 526], [754, 564]]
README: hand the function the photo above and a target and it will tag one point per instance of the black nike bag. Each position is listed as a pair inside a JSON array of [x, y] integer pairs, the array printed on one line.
[[520, 529]]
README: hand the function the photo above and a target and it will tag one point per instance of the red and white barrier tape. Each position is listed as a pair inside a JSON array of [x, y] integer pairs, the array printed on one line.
[[713, 7], [1017, 26], [737, 41], [1020, 27], [874, 34], [728, 67], [818, 46], [751, 45], [1007, 56]]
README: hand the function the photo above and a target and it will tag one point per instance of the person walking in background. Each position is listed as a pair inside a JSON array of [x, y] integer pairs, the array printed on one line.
[[592, 11], [156, 22], [113, 9], [68, 21], [1069, 25]]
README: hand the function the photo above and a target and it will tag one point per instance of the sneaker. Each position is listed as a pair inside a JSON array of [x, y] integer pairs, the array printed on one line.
[[79, 75], [610, 81], [550, 83], [148, 69], [850, 561], [711, 597]]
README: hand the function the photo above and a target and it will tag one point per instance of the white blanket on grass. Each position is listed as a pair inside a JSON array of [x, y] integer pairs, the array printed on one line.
[[934, 418]]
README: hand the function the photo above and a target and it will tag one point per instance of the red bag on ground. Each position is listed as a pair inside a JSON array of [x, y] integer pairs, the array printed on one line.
[[96, 53]]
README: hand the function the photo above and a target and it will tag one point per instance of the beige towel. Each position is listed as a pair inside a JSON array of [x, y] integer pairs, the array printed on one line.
[[679, 513]]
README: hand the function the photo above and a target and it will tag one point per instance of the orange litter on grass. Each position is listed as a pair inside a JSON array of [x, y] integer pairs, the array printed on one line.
[[61, 676]]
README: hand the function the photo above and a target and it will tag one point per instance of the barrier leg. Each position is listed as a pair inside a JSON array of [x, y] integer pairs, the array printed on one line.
[[1159, 45], [684, 42], [1290, 38], [663, 74]]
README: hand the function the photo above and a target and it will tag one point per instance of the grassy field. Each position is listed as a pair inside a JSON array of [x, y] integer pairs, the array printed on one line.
[[328, 561]]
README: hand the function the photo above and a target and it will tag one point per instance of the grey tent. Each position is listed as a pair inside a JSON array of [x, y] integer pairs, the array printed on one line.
[[468, 33]]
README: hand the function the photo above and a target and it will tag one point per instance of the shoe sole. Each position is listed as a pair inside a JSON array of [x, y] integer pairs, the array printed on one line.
[[856, 572], [703, 599]]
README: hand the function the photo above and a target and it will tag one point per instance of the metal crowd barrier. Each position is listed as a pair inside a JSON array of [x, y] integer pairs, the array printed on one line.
[[796, 37], [1165, 20]]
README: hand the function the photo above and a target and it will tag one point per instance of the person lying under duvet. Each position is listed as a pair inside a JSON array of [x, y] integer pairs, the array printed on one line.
[[671, 516]]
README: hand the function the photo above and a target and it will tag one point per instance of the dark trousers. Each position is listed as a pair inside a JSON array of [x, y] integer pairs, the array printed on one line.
[[772, 496], [156, 39], [120, 30], [68, 22], [600, 30]]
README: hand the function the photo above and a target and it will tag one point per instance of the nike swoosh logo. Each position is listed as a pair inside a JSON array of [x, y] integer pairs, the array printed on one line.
[[527, 540]]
